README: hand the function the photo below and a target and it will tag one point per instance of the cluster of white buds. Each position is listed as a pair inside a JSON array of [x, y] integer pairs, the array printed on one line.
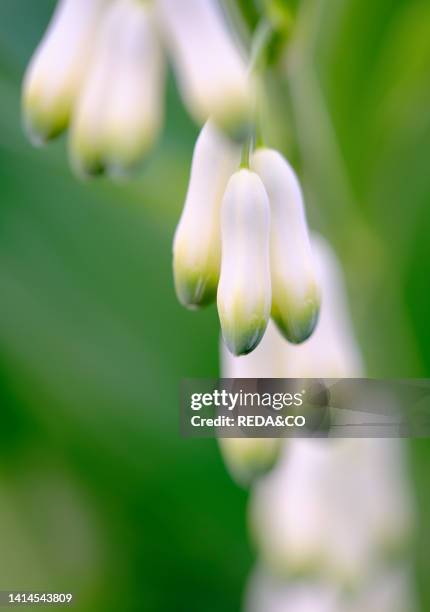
[[100, 70], [243, 237], [332, 520]]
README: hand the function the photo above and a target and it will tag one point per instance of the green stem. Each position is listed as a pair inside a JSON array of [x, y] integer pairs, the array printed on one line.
[[246, 152]]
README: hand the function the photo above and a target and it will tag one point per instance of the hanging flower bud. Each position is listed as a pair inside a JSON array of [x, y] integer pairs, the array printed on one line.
[[58, 66], [244, 292], [332, 351], [249, 458], [197, 244], [212, 74], [119, 112], [295, 302]]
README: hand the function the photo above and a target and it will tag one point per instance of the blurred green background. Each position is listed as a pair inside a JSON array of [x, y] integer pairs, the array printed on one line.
[[98, 493]]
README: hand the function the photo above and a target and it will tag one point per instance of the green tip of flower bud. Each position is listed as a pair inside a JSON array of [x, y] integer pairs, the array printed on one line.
[[42, 124], [86, 161], [194, 288], [236, 125], [242, 335], [296, 322], [248, 459]]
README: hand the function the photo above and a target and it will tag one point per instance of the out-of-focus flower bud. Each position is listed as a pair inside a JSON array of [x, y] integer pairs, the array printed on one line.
[[249, 458], [212, 74], [267, 593], [296, 299], [311, 518], [197, 243], [119, 111], [388, 591], [58, 66], [244, 290]]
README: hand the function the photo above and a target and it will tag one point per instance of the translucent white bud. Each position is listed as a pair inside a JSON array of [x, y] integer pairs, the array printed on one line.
[[119, 112], [212, 74], [295, 299], [58, 66], [197, 243], [244, 291]]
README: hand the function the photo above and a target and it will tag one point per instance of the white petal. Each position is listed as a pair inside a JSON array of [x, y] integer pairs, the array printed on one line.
[[197, 244], [212, 74], [57, 69], [244, 292], [295, 301]]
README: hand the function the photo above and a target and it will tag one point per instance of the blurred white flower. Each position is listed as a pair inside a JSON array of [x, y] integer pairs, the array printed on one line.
[[56, 71], [244, 291], [295, 299], [119, 111], [321, 511], [212, 74], [388, 591], [267, 593], [333, 509], [197, 243]]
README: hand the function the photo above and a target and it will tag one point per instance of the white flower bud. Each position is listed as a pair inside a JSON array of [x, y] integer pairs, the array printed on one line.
[[244, 292], [249, 458], [197, 243], [295, 300], [212, 75], [332, 350], [119, 111], [58, 66]]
